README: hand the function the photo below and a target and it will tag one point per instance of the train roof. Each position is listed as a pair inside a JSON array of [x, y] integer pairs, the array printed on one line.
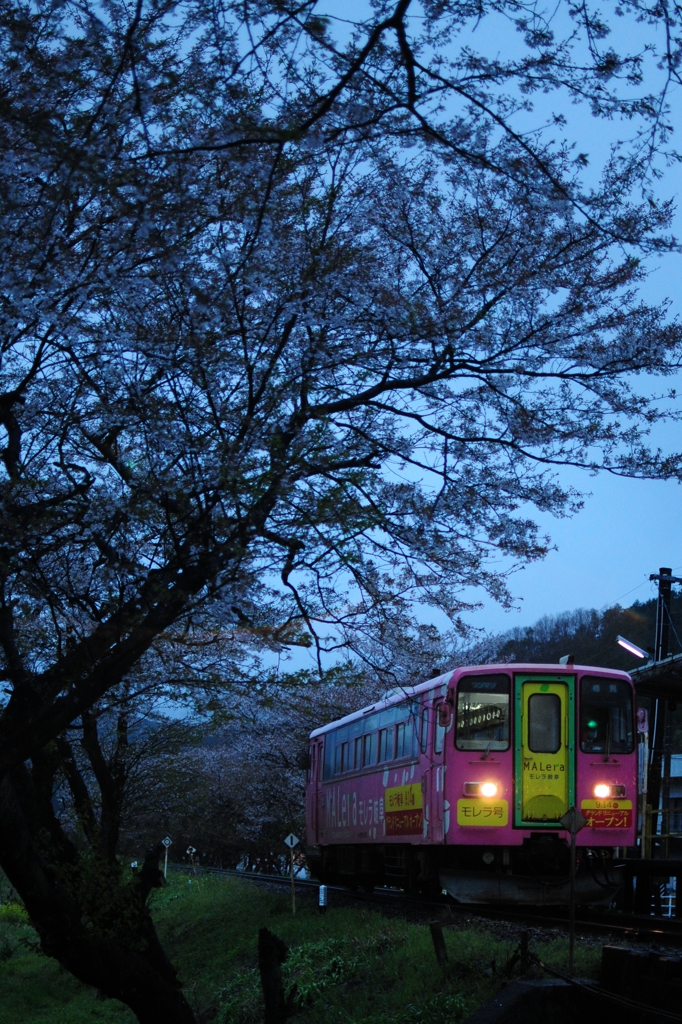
[[402, 693]]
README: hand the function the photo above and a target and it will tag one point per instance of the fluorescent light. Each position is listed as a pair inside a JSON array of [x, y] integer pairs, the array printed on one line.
[[632, 648]]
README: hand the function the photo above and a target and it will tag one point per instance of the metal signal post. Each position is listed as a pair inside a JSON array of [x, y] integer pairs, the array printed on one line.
[[166, 842], [572, 821], [291, 841]]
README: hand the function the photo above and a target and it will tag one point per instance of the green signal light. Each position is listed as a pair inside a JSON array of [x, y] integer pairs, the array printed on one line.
[[592, 724]]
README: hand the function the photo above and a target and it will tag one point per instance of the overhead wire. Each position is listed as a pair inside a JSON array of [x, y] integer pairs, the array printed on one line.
[[593, 989]]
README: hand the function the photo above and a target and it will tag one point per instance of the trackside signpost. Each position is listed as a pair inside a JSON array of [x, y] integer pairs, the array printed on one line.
[[291, 841], [191, 850], [166, 842], [572, 821]]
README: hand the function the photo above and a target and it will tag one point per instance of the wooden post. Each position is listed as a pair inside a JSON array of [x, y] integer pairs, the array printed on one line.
[[272, 953], [524, 952], [439, 946]]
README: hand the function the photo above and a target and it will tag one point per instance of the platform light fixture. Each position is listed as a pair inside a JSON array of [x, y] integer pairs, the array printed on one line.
[[632, 648]]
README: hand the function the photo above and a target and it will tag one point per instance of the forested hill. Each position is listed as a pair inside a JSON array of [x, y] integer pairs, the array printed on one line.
[[589, 635]]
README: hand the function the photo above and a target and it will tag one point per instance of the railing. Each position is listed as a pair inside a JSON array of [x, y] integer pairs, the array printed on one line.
[[647, 868], [661, 825], [667, 900]]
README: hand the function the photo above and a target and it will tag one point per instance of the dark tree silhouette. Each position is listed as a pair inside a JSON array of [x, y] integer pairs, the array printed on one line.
[[297, 321]]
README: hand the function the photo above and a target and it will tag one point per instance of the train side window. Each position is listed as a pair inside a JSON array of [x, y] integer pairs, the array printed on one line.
[[423, 739], [483, 712], [606, 716], [385, 744], [403, 733], [369, 754], [328, 771], [544, 723], [358, 753]]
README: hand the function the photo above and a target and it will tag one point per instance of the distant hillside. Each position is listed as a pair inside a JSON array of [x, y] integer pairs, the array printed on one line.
[[589, 635]]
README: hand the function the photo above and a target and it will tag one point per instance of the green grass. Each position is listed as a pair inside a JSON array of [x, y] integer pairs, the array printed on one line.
[[36, 990], [350, 966]]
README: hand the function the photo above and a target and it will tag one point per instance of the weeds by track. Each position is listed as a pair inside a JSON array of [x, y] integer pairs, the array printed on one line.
[[655, 931]]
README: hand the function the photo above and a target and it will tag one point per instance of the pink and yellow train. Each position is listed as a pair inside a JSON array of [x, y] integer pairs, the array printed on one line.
[[460, 783]]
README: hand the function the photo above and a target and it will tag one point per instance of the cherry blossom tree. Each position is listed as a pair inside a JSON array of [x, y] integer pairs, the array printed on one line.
[[299, 316]]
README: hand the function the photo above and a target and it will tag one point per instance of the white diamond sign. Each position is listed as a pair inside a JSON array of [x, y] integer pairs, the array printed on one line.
[[292, 840], [167, 842]]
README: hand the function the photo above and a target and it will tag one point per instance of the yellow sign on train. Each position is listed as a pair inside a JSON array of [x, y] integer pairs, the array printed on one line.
[[480, 811], [607, 813], [403, 810], [403, 798]]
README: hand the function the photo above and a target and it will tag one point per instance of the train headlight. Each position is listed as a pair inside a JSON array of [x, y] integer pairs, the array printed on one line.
[[602, 791], [488, 789]]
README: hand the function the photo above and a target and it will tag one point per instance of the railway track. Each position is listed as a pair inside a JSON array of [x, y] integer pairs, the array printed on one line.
[[656, 931]]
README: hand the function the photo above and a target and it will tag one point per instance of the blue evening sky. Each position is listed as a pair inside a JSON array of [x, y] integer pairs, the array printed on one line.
[[628, 528]]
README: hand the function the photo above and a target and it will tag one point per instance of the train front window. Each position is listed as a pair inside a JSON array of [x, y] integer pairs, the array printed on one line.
[[544, 723], [483, 712], [606, 717]]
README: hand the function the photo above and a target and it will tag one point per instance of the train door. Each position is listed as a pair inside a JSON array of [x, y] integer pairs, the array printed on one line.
[[315, 771], [545, 749], [441, 712]]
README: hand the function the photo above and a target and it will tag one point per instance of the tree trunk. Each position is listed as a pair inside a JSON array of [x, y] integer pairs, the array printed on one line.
[[100, 930]]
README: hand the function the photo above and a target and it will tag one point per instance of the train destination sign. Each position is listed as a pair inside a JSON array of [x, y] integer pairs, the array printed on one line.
[[482, 812]]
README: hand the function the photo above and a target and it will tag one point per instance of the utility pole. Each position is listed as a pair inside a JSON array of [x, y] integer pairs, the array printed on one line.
[[665, 581], [659, 768]]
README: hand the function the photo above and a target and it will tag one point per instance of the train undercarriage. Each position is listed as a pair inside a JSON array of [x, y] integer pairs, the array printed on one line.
[[534, 874]]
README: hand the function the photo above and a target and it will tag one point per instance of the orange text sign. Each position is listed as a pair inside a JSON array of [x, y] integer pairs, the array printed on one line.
[[607, 813]]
